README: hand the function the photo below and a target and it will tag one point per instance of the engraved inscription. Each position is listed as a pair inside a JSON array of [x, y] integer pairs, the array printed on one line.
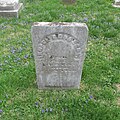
[[59, 55]]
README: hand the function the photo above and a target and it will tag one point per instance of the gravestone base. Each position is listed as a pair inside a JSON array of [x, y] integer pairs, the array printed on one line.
[[59, 52], [11, 11], [117, 4]]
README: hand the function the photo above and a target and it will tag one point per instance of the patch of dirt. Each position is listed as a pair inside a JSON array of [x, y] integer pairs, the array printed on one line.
[[82, 86], [118, 101], [118, 87]]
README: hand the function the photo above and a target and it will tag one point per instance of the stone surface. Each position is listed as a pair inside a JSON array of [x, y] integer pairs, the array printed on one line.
[[117, 3], [8, 1], [59, 51], [10, 8]]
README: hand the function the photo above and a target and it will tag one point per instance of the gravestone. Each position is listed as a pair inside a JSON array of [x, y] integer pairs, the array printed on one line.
[[59, 51], [68, 1], [117, 3], [10, 8]]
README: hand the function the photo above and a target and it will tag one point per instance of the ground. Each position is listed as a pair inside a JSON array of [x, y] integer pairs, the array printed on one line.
[[99, 95]]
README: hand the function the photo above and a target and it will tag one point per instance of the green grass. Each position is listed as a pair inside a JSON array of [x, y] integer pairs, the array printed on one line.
[[19, 97]]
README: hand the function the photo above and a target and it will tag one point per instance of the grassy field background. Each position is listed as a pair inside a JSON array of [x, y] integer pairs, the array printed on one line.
[[99, 94]]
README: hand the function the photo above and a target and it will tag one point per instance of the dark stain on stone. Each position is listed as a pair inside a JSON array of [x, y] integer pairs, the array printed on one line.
[[51, 57], [43, 64]]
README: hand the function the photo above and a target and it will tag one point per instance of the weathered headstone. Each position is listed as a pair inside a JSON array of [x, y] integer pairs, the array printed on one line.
[[10, 8], [117, 3], [59, 51], [68, 1]]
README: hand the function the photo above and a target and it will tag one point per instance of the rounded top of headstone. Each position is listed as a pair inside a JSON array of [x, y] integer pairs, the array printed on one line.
[[59, 24], [8, 2]]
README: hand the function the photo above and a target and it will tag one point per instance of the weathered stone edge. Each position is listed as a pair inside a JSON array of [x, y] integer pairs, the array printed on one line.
[[59, 24], [11, 13], [116, 5]]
